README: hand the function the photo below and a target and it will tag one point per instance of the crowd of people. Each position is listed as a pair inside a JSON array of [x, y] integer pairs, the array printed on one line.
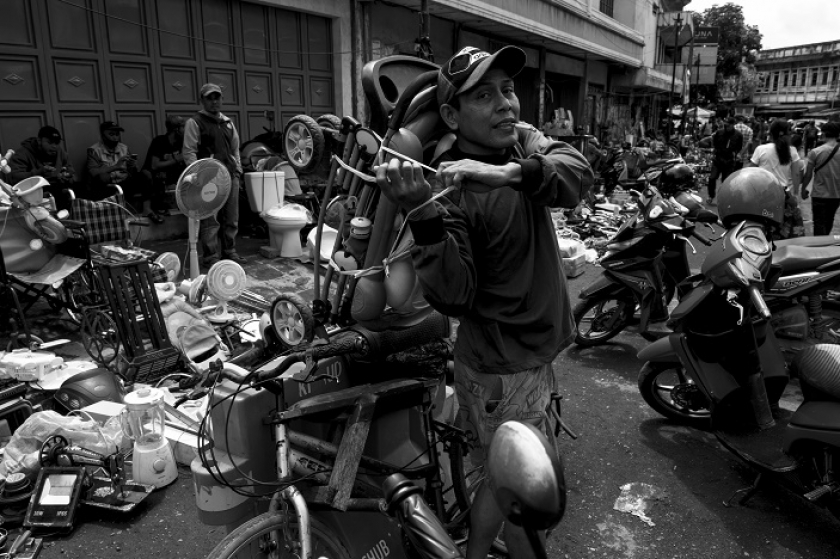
[[110, 162]]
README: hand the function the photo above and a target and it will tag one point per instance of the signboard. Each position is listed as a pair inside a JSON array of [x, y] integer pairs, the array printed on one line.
[[706, 35], [706, 76]]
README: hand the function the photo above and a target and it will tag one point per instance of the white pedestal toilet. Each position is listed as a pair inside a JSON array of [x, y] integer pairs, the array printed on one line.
[[284, 225]]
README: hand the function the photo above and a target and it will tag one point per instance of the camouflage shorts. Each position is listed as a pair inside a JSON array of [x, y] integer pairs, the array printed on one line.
[[485, 401]]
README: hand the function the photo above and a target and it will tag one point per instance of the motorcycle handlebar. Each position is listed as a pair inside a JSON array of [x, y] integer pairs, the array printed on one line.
[[702, 238]]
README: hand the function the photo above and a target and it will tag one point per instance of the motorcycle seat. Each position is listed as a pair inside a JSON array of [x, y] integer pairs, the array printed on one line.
[[794, 258], [818, 368]]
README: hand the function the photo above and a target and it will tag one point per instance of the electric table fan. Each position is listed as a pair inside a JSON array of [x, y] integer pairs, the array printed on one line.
[[202, 190], [225, 282]]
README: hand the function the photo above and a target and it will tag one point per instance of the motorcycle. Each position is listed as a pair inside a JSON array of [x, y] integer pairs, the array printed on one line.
[[723, 370], [645, 263]]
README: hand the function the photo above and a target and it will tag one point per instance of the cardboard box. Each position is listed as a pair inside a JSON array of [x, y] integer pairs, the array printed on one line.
[[574, 266]]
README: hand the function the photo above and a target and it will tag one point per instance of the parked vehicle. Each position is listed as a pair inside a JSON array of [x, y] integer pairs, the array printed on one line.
[[723, 367], [645, 262]]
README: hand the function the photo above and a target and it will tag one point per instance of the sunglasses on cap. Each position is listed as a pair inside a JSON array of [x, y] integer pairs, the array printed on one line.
[[464, 61]]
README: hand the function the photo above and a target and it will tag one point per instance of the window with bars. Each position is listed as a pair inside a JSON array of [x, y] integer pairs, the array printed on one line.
[[606, 7]]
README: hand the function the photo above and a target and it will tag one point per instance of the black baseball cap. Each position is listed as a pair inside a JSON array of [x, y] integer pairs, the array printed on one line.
[[50, 133], [464, 70], [110, 125]]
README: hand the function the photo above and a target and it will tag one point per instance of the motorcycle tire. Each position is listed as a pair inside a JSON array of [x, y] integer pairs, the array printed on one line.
[[303, 143], [659, 389], [617, 318], [263, 536]]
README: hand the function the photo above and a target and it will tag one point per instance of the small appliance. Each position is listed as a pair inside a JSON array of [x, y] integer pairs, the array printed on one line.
[[143, 422], [202, 190]]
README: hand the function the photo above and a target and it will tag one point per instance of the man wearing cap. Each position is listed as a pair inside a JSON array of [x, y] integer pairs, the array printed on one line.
[[209, 133], [487, 253], [43, 156], [109, 162]]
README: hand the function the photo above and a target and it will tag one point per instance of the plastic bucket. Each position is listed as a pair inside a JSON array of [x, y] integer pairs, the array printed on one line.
[[265, 189]]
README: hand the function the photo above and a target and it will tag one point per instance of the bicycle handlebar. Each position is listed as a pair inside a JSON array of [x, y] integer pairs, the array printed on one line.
[[342, 347]]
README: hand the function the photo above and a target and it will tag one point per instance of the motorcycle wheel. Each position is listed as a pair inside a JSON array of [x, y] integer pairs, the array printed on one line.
[[606, 317], [263, 537], [666, 388], [303, 143], [466, 480]]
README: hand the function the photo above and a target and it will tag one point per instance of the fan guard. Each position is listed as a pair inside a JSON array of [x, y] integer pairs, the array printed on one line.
[[225, 282], [203, 188], [171, 264]]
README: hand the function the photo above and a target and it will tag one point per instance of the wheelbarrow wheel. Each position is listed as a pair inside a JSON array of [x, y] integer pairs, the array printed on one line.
[[303, 143], [329, 121], [99, 336], [292, 320]]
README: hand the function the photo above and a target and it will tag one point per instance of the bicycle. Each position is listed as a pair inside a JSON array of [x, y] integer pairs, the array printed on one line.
[[321, 465]]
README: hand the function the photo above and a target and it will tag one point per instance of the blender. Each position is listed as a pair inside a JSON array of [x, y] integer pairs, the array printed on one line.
[[143, 422]]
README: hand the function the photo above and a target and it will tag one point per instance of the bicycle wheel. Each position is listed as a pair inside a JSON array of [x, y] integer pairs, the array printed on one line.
[[262, 537], [466, 480]]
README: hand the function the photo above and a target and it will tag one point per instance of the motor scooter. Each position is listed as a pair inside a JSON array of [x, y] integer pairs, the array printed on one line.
[[645, 262], [723, 369]]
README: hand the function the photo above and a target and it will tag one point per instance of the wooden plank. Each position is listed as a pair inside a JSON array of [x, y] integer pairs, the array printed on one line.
[[346, 466], [348, 396]]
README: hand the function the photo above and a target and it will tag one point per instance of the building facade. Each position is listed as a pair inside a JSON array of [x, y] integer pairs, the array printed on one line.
[[799, 81], [76, 63]]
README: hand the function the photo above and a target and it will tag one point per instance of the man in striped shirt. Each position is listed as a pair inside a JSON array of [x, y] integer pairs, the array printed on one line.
[[747, 132]]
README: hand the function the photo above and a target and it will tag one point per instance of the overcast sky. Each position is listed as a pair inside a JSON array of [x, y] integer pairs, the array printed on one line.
[[785, 23]]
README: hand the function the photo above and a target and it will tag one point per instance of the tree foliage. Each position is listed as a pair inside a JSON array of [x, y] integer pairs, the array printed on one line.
[[737, 39], [738, 42]]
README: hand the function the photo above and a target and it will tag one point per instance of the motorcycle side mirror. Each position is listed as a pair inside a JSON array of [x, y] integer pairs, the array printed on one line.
[[526, 476]]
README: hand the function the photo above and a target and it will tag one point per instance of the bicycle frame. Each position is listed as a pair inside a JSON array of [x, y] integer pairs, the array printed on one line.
[[361, 532]]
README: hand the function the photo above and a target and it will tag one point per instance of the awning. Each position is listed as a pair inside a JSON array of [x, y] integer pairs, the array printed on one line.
[[824, 113], [791, 108]]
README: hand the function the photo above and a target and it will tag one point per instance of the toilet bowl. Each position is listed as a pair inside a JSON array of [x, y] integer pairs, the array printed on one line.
[[284, 225]]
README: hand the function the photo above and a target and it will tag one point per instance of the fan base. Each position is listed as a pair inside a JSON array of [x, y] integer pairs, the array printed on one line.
[[221, 317]]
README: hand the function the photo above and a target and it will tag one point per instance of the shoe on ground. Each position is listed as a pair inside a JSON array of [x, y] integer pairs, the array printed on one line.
[[711, 201], [154, 217], [236, 257]]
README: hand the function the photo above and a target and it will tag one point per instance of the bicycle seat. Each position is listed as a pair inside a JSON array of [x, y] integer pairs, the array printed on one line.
[[794, 258]]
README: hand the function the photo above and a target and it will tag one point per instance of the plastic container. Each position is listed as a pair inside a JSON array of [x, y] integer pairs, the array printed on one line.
[[265, 189]]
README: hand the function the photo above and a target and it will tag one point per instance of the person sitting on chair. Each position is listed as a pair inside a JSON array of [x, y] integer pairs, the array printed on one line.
[[43, 156], [164, 162], [110, 162]]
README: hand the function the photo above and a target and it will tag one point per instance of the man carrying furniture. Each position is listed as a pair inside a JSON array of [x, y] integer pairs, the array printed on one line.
[[487, 253]]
